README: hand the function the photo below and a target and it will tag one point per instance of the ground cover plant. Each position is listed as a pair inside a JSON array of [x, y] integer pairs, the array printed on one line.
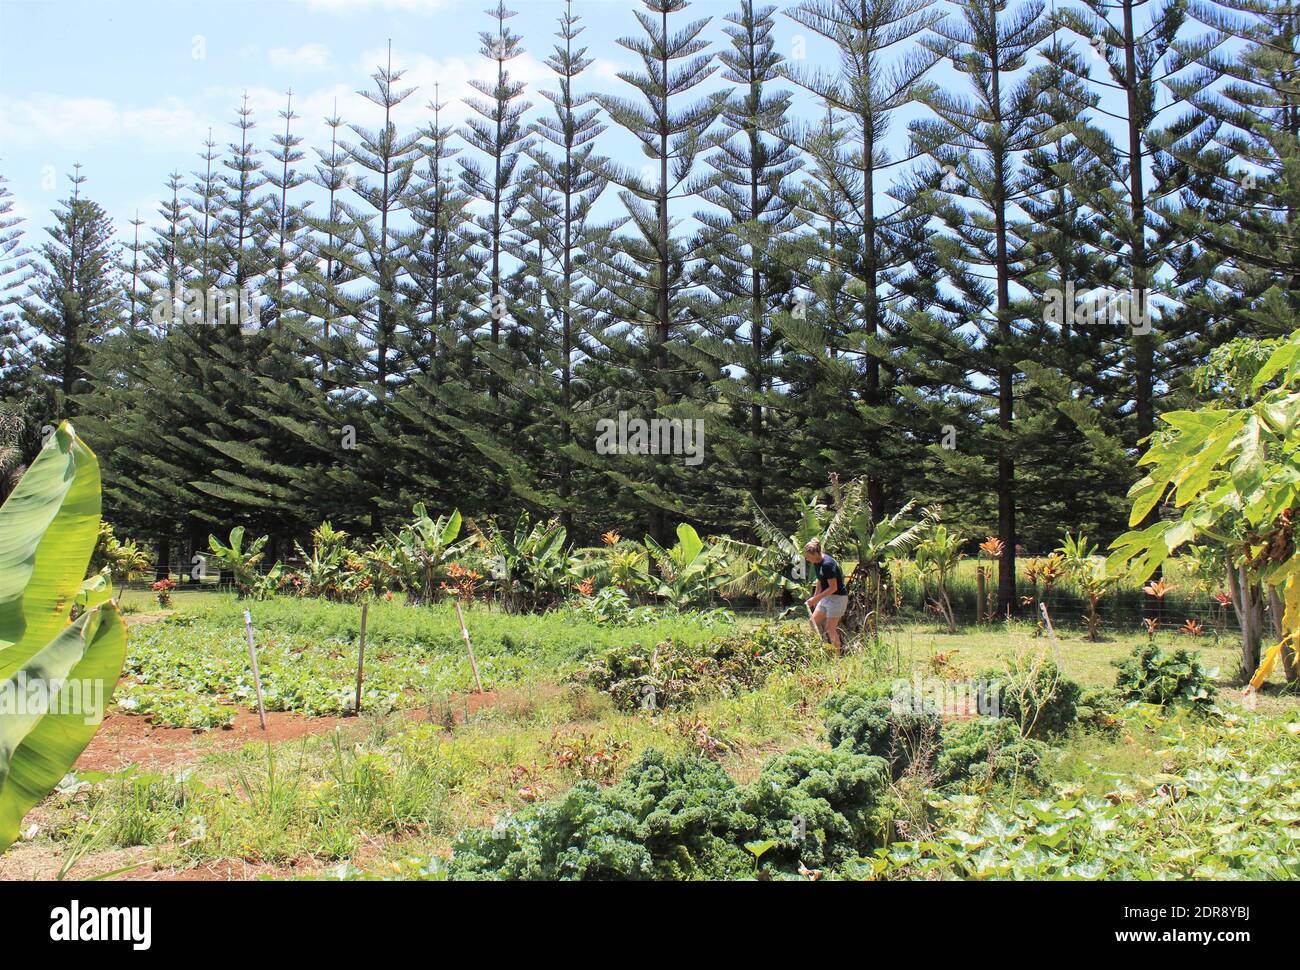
[[307, 654]]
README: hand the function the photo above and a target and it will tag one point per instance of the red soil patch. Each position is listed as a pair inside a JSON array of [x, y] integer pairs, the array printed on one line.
[[127, 739]]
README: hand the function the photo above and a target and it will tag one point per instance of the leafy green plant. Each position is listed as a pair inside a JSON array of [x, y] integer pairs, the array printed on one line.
[[865, 719], [418, 556], [890, 538], [333, 569], [242, 563], [692, 571], [777, 564], [986, 750], [50, 523], [1089, 574], [1099, 708], [669, 818], [1229, 470], [1151, 676], [611, 605], [124, 560], [174, 708], [685, 818], [818, 807], [937, 556], [675, 673], [531, 569], [1214, 813]]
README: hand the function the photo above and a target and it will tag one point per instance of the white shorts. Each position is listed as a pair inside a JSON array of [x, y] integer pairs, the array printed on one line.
[[832, 607]]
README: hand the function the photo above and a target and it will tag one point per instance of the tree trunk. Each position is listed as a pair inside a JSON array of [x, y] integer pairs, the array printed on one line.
[[1247, 610], [162, 565]]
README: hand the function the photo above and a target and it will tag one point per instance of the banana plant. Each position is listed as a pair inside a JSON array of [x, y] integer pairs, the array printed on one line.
[[531, 569], [242, 563], [48, 528], [936, 559], [417, 557], [878, 543], [776, 563], [691, 571], [623, 563]]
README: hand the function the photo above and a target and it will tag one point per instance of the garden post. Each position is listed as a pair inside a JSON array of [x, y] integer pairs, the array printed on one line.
[[361, 652], [257, 678], [464, 631]]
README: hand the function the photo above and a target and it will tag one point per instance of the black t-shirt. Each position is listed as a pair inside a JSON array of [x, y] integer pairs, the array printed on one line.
[[827, 570]]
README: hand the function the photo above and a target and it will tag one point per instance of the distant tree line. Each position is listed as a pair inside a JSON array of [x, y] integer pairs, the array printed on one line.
[[978, 293]]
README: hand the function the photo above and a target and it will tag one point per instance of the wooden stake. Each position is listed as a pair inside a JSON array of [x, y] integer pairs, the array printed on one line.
[[361, 652], [468, 646], [257, 678], [1056, 647]]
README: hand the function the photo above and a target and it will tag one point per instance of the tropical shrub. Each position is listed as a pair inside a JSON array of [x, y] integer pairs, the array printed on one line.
[[417, 558], [936, 560], [692, 571], [50, 523], [123, 560], [986, 750], [1229, 470], [611, 605], [531, 569], [163, 589], [620, 563], [1151, 676], [877, 541], [1088, 572], [865, 719], [1043, 573], [332, 569]]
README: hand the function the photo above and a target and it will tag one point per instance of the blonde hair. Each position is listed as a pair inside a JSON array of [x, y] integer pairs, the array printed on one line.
[[813, 548]]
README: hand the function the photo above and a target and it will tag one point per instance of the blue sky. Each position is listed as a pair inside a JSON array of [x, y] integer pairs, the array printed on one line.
[[130, 88]]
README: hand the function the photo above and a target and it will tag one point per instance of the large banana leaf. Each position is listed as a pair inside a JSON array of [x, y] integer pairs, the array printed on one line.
[[37, 749], [48, 528]]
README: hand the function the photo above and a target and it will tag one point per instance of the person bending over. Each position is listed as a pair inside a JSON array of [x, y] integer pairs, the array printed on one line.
[[829, 600]]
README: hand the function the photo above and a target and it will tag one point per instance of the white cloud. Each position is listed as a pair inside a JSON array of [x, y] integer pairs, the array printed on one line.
[[80, 124], [406, 6], [308, 57], [69, 127]]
